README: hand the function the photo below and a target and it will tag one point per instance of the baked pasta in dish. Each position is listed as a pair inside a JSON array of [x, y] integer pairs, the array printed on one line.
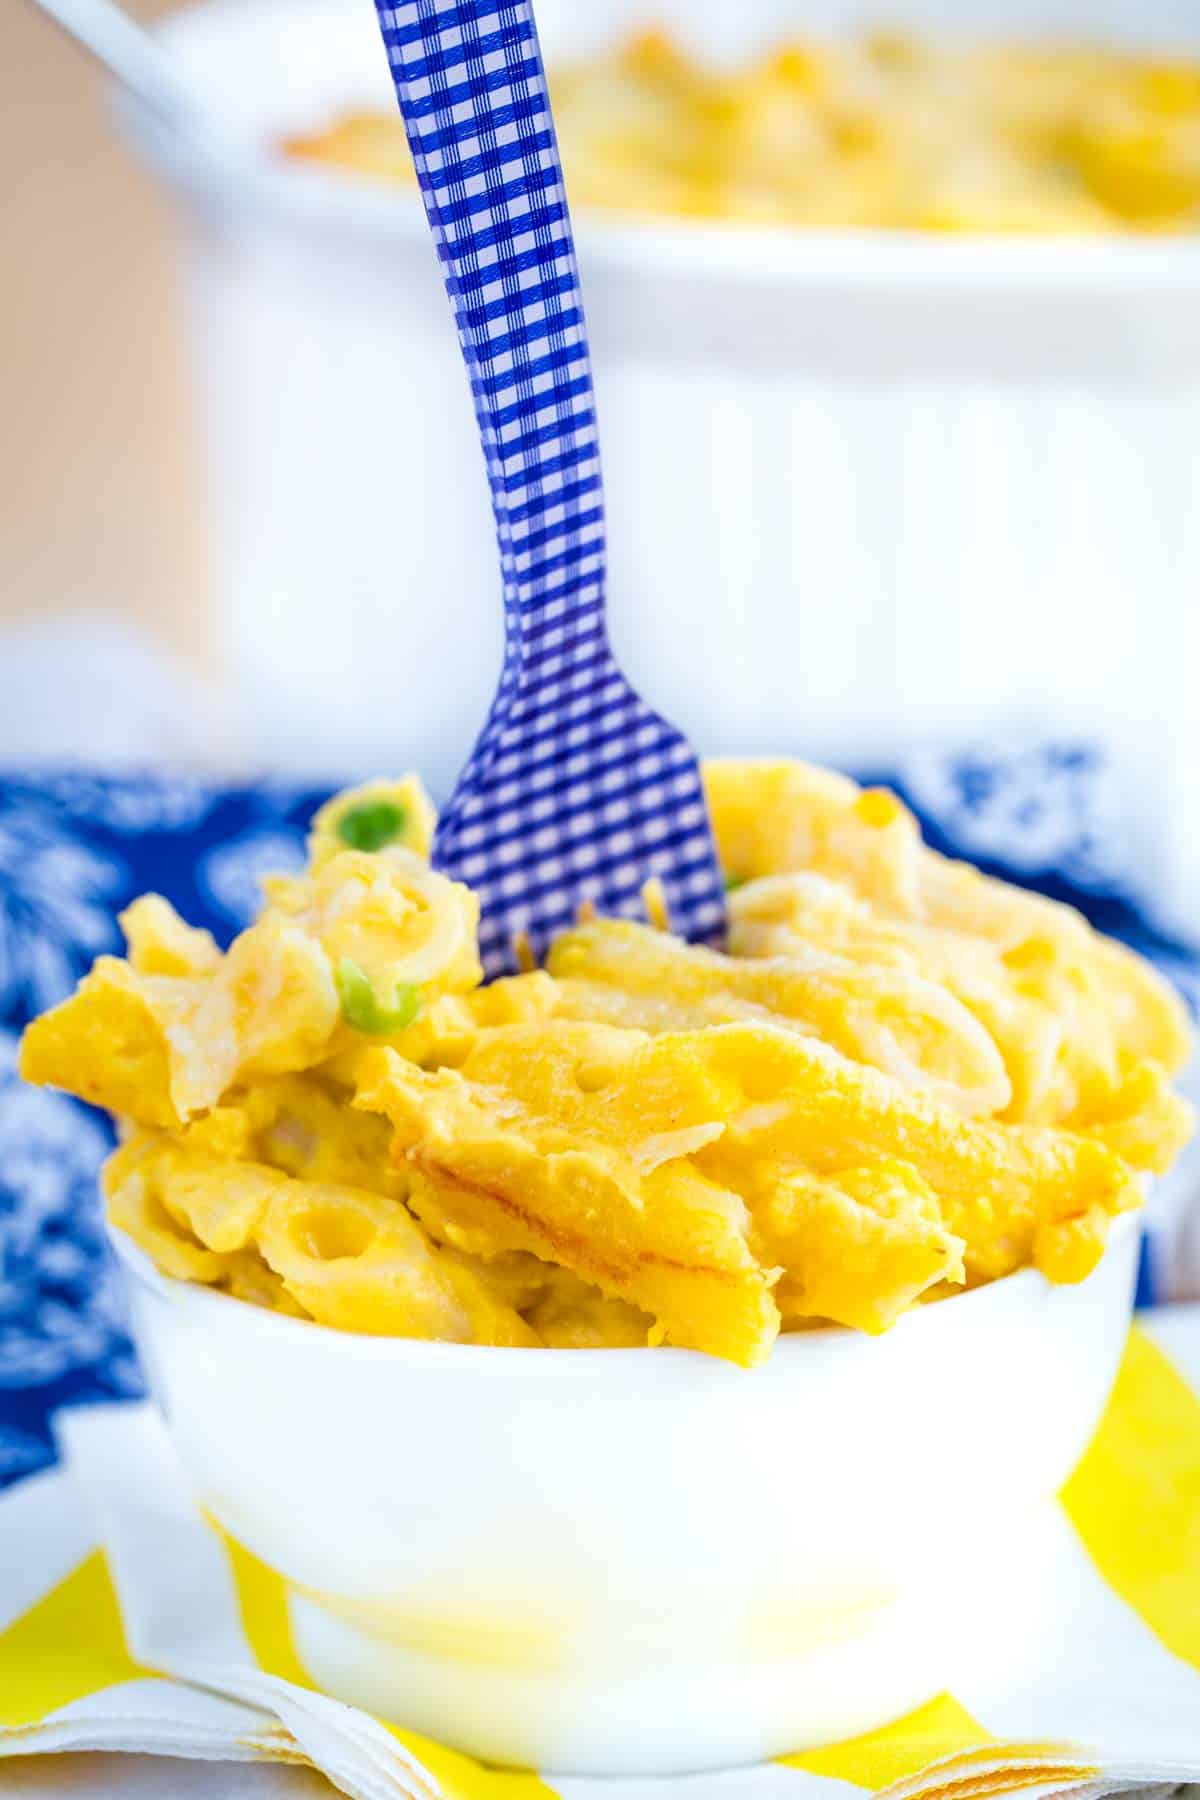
[[888, 130], [898, 1077]]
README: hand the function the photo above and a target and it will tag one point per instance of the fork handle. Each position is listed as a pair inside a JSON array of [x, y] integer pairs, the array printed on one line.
[[472, 91]]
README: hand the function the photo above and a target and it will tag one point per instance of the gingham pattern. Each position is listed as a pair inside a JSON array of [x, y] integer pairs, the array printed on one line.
[[77, 845], [576, 789]]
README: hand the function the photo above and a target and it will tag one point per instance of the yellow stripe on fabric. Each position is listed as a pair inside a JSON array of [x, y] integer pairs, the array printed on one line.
[[897, 1751], [1135, 1497], [462, 1778], [70, 1644], [262, 1599]]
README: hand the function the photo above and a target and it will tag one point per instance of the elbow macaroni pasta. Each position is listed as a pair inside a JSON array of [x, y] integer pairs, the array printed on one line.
[[899, 1077], [886, 130]]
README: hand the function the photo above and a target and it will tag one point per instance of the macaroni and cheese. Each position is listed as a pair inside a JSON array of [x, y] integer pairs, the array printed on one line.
[[885, 130], [897, 1078]]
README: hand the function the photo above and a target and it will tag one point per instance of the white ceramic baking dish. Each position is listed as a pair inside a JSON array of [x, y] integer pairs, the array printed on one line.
[[861, 487], [639, 1561]]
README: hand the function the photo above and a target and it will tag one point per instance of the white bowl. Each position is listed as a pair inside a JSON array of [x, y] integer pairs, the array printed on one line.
[[637, 1561], [861, 486]]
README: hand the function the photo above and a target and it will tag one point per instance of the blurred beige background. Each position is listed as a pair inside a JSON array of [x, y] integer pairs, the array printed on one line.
[[101, 507]]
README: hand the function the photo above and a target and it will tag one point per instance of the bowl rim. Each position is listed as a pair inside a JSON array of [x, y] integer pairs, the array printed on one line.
[[737, 255], [226, 1313], [252, 174]]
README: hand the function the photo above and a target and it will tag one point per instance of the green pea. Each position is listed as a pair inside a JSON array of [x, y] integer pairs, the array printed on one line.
[[734, 881], [372, 825], [360, 1004]]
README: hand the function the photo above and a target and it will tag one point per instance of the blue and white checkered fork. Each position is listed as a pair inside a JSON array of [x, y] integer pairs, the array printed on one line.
[[575, 790]]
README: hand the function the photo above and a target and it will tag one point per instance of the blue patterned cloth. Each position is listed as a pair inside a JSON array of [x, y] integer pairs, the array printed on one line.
[[576, 790], [75, 847]]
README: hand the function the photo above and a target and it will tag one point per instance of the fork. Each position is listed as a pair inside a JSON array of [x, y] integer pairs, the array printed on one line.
[[576, 791]]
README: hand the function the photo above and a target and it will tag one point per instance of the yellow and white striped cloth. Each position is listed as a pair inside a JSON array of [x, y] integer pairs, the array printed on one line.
[[128, 1623]]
